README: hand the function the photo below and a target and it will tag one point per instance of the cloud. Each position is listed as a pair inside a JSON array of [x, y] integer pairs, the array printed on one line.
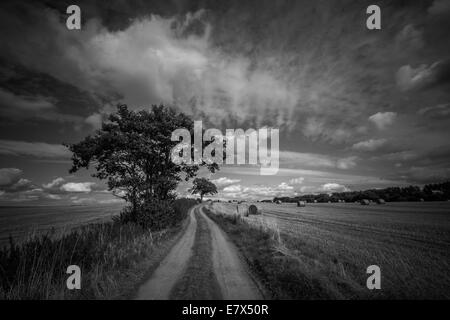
[[54, 184], [257, 191], [383, 119], [427, 174], [438, 111], [369, 145], [333, 187], [299, 159], [33, 149], [153, 60], [424, 76], [285, 187], [329, 187], [22, 185], [439, 7], [11, 181], [19, 107], [347, 163], [233, 188], [410, 38], [224, 181], [297, 180], [78, 187], [94, 120], [319, 129], [23, 103], [9, 176], [406, 155]]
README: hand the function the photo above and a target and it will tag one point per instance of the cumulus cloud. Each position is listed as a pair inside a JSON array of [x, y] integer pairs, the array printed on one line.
[[329, 187], [9, 176], [257, 191], [383, 119], [78, 187], [11, 181], [57, 182], [94, 120], [298, 180], [22, 185], [369, 145], [333, 187], [224, 181], [33, 149]]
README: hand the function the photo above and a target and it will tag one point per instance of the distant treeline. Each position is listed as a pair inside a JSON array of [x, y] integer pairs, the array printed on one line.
[[430, 192]]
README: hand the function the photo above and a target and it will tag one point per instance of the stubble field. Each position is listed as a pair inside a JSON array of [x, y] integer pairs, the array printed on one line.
[[335, 243]]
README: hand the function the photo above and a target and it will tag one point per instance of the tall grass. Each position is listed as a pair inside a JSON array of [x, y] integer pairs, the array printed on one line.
[[36, 269]]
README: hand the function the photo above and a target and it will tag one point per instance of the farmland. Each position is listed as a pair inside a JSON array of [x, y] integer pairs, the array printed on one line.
[[335, 243]]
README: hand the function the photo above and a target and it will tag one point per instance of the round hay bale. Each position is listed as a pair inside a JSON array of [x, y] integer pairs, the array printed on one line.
[[252, 209], [301, 204]]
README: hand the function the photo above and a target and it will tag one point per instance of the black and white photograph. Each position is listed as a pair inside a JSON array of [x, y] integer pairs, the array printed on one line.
[[207, 150]]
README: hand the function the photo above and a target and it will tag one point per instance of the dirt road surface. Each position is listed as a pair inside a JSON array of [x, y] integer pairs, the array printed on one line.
[[203, 264], [171, 268]]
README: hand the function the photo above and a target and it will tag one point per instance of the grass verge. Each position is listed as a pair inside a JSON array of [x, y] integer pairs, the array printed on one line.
[[113, 258]]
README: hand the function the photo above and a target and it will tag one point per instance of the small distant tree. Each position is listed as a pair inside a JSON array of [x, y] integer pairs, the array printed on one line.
[[203, 186]]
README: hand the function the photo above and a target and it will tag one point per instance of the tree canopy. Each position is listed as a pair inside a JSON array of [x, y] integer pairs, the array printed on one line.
[[132, 151], [203, 186]]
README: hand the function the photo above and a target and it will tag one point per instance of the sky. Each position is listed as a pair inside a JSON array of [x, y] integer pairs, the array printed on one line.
[[356, 108]]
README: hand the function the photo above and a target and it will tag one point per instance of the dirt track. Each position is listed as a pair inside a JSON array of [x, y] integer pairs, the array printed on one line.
[[203, 264]]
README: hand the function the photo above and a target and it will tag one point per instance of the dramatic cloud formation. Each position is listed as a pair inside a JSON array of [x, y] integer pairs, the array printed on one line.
[[151, 62], [354, 108]]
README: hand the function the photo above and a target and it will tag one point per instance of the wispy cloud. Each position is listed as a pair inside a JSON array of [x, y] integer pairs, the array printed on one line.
[[33, 149]]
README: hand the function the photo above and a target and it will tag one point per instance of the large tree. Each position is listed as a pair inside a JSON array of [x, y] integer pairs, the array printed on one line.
[[132, 151], [203, 186]]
